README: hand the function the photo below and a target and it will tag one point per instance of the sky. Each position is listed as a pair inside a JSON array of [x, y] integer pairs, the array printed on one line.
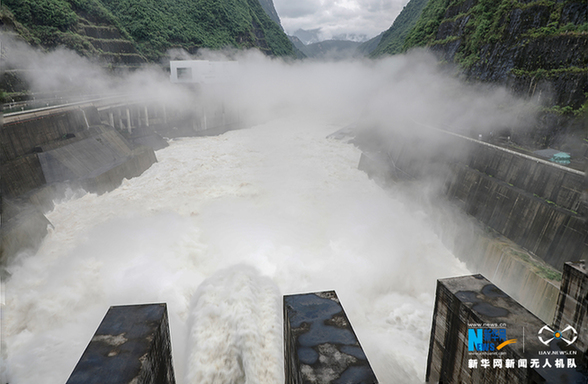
[[357, 19]]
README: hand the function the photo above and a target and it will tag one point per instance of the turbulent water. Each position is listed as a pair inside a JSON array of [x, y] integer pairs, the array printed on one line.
[[218, 229]]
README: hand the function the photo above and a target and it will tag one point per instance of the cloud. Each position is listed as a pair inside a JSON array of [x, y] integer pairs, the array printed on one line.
[[297, 9], [339, 17]]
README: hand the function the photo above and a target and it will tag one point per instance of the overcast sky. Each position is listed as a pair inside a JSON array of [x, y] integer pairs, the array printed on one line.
[[366, 18]]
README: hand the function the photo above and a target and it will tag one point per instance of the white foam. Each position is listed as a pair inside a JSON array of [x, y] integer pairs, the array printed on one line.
[[279, 197], [235, 330]]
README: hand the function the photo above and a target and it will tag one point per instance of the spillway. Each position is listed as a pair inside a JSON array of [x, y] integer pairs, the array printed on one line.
[[279, 197]]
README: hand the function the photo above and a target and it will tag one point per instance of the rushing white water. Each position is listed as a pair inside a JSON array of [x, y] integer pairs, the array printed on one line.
[[279, 197]]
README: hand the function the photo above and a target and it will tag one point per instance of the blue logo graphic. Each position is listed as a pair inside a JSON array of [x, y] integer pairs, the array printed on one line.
[[487, 339]]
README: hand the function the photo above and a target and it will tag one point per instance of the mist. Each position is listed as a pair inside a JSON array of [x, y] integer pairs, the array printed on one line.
[[245, 217]]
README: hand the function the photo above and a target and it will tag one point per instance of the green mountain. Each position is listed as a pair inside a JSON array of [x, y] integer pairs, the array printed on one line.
[[270, 9], [536, 48], [145, 29], [392, 40], [369, 46], [532, 46]]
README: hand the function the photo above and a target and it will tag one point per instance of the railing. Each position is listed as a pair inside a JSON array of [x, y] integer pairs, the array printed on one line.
[[13, 108]]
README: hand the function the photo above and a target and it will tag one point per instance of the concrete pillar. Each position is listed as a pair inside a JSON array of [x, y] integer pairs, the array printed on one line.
[[111, 118], [572, 304], [131, 346], [120, 122], [318, 338], [481, 335], [129, 121], [85, 118], [146, 117]]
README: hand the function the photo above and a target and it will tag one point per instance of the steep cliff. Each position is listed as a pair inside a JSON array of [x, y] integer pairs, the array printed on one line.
[[538, 49], [146, 29]]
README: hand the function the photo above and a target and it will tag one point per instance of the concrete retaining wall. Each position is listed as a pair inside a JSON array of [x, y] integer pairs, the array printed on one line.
[[96, 154], [561, 187], [511, 268], [24, 229], [523, 235], [48, 148], [19, 136], [93, 144], [21, 175], [536, 204], [551, 232]]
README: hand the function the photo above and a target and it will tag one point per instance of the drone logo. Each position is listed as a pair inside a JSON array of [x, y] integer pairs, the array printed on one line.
[[569, 334]]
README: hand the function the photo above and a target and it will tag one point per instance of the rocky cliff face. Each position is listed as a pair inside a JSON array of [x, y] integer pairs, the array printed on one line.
[[536, 48], [539, 49]]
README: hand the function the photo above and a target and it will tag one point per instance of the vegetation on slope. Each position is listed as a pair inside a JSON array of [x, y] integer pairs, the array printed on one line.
[[157, 25], [392, 40], [427, 25], [487, 23], [523, 43], [50, 23], [154, 26]]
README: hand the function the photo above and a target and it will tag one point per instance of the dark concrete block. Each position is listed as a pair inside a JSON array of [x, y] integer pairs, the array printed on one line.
[[475, 323], [320, 344], [85, 158], [131, 346], [24, 229], [572, 304]]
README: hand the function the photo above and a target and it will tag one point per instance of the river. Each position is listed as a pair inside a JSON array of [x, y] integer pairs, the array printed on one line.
[[278, 201]]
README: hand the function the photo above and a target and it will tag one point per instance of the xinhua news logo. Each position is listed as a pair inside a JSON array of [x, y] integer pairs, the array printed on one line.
[[546, 335], [487, 339]]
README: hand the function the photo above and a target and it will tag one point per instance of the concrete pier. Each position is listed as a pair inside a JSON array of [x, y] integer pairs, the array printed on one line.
[[131, 346], [572, 304], [320, 344], [481, 335]]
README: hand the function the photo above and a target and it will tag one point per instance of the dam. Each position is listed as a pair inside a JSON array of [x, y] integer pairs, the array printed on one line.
[[279, 196]]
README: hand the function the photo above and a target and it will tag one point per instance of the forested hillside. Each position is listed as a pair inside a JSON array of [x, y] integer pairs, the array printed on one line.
[[392, 40], [144, 28], [537, 48]]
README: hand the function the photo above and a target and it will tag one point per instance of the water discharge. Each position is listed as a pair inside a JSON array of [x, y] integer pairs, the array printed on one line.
[[279, 197]]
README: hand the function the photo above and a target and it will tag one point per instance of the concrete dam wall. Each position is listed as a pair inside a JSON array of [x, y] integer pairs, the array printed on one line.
[[46, 150], [93, 145], [535, 204], [530, 212]]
